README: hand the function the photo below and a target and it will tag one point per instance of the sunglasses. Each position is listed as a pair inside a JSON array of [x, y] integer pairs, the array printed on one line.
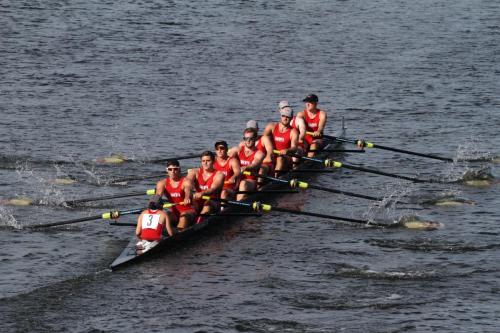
[[283, 116], [220, 148], [173, 169], [248, 138]]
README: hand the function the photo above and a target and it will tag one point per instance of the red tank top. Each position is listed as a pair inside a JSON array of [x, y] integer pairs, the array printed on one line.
[[260, 146], [293, 124], [174, 194], [282, 140], [151, 228], [203, 185], [246, 160], [225, 169], [312, 124]]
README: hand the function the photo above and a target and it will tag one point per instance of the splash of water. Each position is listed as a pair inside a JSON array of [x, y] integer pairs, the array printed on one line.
[[7, 219], [49, 194], [471, 151], [387, 208]]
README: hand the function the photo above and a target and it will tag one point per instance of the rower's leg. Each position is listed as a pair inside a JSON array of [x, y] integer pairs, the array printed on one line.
[[245, 185], [264, 171], [186, 220], [280, 166], [170, 223], [312, 147]]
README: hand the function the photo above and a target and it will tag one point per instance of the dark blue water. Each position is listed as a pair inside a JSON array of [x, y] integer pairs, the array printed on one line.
[[81, 80]]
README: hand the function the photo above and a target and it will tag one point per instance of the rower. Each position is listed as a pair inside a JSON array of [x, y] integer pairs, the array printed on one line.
[[151, 223], [230, 167], [178, 190], [284, 139], [315, 120], [207, 182], [250, 160], [300, 126]]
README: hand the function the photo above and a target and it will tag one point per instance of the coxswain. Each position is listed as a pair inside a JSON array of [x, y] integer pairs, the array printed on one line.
[[178, 190], [250, 160], [151, 224], [315, 120], [284, 138], [230, 167], [207, 182]]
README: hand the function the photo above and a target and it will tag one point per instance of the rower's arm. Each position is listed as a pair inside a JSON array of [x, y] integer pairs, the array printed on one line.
[[268, 131], [268, 143], [294, 138], [139, 227], [301, 125], [257, 161], [188, 187], [322, 121], [235, 166], [217, 184], [160, 187], [233, 151]]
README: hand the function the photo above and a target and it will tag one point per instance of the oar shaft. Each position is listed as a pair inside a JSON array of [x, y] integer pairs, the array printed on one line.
[[54, 224], [89, 218], [331, 217], [335, 164], [445, 159], [106, 197], [397, 150], [381, 173], [185, 157], [356, 195], [268, 192]]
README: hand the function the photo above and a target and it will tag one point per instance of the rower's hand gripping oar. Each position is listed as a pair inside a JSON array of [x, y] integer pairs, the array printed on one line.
[[295, 183], [105, 216], [335, 164], [366, 144]]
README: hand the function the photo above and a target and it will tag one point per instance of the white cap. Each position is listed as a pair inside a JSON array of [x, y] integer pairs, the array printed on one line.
[[283, 104], [252, 124]]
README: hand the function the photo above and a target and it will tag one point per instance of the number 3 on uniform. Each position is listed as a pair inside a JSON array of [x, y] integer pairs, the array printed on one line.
[[150, 221]]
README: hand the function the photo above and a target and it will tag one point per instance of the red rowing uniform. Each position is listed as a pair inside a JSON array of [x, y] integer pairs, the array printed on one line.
[[176, 195], [151, 228], [203, 185], [228, 172], [282, 140], [312, 125], [246, 160], [260, 146]]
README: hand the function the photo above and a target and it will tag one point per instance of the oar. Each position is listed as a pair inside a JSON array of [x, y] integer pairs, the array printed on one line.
[[261, 207], [340, 150], [106, 216], [363, 144], [185, 157], [107, 197], [266, 191], [335, 164], [294, 183], [127, 179]]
